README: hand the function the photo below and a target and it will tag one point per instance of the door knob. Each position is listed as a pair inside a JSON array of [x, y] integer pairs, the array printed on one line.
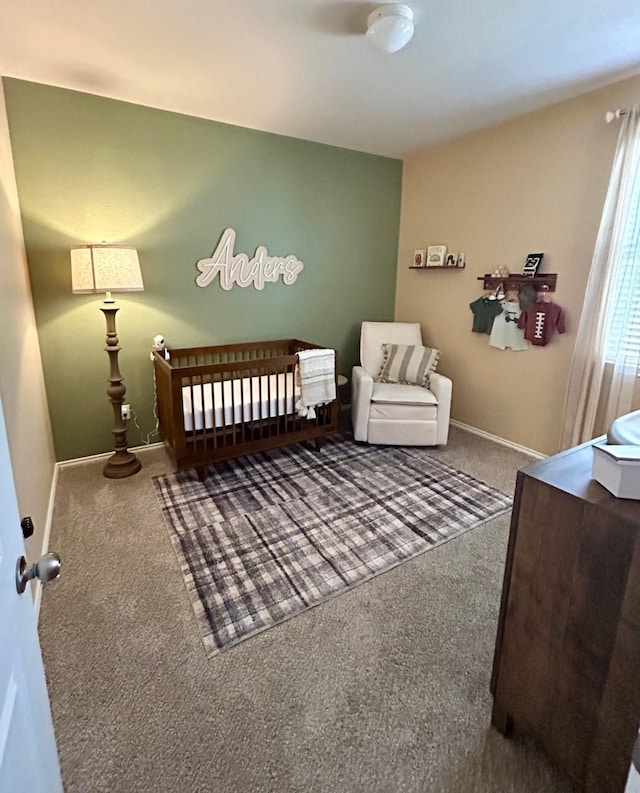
[[46, 569]]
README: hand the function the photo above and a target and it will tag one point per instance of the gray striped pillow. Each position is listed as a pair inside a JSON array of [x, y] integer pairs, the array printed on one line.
[[409, 364]]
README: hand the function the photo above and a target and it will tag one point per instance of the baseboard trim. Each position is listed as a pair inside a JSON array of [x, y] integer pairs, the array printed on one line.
[[47, 533], [498, 439], [103, 456]]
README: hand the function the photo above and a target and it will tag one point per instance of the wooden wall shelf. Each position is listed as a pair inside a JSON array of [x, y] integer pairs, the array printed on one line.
[[542, 283], [439, 267]]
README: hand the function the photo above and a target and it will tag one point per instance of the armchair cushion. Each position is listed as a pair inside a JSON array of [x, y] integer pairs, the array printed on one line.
[[400, 394], [407, 363], [399, 402]]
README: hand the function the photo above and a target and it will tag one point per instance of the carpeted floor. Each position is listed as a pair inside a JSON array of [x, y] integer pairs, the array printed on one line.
[[383, 689]]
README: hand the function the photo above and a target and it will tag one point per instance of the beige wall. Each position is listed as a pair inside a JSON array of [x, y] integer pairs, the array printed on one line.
[[533, 184], [21, 381]]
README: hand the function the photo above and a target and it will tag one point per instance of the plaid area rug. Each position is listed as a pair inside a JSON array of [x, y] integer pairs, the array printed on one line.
[[270, 535]]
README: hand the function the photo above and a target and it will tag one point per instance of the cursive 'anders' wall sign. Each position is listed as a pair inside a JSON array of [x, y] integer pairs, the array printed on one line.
[[240, 270]]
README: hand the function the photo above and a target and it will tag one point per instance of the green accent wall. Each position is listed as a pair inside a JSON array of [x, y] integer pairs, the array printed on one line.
[[91, 169]]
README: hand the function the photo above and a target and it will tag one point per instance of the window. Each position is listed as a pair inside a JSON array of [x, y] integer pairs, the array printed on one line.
[[622, 336]]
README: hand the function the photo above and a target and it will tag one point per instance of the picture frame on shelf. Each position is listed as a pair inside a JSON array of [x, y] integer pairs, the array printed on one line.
[[451, 260], [461, 260], [420, 258], [436, 255], [532, 264]]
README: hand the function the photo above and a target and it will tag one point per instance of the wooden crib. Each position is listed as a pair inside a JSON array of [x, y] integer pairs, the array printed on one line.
[[215, 403]]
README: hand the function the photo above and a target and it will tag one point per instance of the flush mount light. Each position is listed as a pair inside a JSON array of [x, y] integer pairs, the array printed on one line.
[[390, 27]]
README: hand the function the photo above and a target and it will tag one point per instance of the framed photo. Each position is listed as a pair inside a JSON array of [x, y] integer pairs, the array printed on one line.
[[436, 255], [420, 258], [461, 259], [451, 260], [531, 265]]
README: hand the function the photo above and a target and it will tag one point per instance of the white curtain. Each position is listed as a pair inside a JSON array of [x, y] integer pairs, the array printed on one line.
[[604, 369]]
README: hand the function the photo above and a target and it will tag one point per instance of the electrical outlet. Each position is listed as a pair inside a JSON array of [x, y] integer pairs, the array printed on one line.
[[126, 412]]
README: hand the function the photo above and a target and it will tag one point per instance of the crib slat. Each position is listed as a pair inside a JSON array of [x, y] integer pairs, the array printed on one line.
[[251, 401], [234, 424], [277, 416], [213, 442], [224, 408], [243, 423], [285, 398]]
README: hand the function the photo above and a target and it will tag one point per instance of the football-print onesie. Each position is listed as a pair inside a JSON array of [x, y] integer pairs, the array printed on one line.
[[540, 321], [505, 332]]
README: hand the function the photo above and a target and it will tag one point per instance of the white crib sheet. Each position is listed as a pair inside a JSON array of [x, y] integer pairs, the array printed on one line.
[[264, 397]]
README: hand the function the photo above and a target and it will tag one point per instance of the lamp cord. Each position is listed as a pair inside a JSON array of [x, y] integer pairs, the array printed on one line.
[[146, 439]]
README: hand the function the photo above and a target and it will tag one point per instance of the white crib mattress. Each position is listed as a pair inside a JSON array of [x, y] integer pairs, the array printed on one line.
[[264, 397]]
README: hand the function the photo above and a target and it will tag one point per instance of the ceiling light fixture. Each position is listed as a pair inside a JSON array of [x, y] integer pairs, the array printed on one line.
[[390, 27]]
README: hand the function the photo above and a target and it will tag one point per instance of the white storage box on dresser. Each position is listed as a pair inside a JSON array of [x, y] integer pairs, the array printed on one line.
[[618, 469]]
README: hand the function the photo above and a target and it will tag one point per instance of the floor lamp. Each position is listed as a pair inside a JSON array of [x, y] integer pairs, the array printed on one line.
[[110, 268]]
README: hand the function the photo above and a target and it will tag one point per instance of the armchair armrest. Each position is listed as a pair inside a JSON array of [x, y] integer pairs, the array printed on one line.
[[361, 391], [442, 386]]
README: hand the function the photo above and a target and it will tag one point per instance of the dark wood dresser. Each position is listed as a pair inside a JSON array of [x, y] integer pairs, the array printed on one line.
[[566, 669]]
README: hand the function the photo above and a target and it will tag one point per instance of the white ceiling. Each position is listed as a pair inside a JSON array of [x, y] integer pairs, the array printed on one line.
[[304, 68]]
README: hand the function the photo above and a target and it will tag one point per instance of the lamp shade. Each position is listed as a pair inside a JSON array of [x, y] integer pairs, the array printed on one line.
[[105, 268], [390, 27]]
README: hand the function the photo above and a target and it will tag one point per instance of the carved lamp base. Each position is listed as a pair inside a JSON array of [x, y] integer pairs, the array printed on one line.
[[121, 464]]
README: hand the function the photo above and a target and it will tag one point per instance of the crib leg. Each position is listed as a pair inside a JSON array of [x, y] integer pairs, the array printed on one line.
[[200, 471], [318, 444]]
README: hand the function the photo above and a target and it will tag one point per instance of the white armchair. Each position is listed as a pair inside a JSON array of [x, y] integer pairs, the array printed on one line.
[[394, 413]]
